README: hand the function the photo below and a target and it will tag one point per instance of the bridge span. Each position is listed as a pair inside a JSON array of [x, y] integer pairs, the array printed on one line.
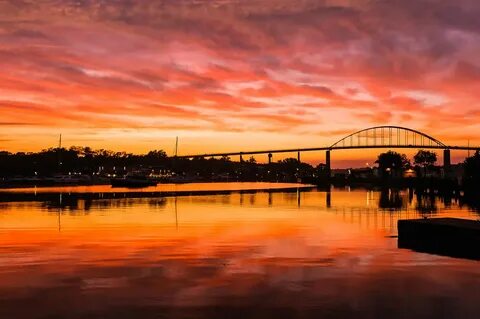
[[378, 137]]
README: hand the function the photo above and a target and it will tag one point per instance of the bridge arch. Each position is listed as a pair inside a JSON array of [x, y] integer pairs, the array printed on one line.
[[387, 136]]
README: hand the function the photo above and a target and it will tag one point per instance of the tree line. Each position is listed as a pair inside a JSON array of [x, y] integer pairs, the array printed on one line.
[[75, 159], [86, 160]]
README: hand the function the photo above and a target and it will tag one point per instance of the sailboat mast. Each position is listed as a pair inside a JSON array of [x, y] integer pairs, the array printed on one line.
[[60, 151], [176, 147]]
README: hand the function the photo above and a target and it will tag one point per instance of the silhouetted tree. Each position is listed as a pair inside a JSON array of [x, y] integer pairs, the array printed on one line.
[[425, 159], [159, 154], [392, 161], [472, 168], [471, 182], [75, 159]]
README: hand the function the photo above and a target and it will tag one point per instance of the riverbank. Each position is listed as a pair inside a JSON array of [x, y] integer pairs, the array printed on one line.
[[162, 190]]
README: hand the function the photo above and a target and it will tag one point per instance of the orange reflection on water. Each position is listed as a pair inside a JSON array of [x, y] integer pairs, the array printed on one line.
[[189, 255], [188, 187]]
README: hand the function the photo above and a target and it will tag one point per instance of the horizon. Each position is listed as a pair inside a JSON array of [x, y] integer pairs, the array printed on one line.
[[263, 159]]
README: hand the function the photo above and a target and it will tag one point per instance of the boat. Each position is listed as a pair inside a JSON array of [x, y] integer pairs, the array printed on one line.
[[133, 180], [70, 179]]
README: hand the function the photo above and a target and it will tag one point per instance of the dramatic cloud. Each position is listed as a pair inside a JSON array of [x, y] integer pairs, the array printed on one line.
[[229, 75]]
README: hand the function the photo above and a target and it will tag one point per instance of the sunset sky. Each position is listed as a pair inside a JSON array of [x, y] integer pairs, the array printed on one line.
[[235, 74]]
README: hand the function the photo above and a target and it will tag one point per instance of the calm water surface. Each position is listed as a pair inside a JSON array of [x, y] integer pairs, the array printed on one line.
[[168, 188], [298, 254]]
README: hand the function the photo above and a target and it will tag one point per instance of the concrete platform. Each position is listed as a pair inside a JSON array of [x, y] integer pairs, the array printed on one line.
[[452, 237]]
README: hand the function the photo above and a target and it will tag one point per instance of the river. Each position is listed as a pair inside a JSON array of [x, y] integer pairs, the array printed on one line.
[[293, 253]]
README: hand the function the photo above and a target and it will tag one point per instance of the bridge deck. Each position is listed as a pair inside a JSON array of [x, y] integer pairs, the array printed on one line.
[[313, 149]]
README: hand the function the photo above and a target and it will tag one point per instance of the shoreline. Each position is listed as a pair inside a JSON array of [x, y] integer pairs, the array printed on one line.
[[168, 190]]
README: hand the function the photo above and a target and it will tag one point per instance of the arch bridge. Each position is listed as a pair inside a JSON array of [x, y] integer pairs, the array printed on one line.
[[369, 138]]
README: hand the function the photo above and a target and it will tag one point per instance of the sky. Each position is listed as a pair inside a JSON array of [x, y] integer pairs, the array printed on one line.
[[236, 75]]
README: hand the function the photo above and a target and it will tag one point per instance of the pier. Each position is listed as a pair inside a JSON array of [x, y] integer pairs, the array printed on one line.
[[454, 237]]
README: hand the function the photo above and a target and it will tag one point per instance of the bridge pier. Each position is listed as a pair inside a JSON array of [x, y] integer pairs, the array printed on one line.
[[327, 162], [270, 158], [446, 159], [446, 162], [298, 157], [241, 158]]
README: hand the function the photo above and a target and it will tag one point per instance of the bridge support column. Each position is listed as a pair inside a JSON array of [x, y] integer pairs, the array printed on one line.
[[446, 162], [298, 157], [327, 162], [241, 158], [270, 158]]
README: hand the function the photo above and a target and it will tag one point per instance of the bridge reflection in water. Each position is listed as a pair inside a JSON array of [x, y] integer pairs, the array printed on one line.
[[375, 210]]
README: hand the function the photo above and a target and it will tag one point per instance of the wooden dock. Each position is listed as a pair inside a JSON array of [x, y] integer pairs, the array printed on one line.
[[452, 237]]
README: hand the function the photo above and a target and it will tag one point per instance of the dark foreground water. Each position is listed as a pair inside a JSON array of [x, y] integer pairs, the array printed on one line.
[[305, 254]]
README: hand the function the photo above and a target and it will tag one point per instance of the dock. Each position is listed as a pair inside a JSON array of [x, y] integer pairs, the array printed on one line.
[[453, 237]]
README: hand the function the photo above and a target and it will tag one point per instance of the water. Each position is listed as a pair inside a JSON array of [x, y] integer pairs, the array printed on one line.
[[256, 255], [164, 188]]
